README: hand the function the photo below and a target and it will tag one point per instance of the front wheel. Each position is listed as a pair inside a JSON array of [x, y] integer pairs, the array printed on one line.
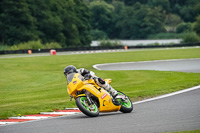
[[126, 104], [89, 110]]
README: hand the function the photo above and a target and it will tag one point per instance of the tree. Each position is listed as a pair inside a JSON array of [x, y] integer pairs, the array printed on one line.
[[62, 21], [108, 1], [83, 24], [98, 35], [139, 21], [102, 16], [164, 4], [171, 21], [187, 13], [186, 9], [49, 23], [118, 8], [184, 27], [132, 2], [16, 23], [196, 27], [153, 22], [70, 22], [190, 37]]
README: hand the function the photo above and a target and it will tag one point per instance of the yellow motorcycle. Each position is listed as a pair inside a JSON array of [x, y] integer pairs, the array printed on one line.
[[92, 99]]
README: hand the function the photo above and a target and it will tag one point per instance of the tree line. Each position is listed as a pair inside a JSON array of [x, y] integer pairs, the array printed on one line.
[[77, 22], [142, 19], [62, 21]]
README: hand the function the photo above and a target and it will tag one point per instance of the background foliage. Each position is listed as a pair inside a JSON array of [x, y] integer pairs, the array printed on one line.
[[77, 22], [62, 21]]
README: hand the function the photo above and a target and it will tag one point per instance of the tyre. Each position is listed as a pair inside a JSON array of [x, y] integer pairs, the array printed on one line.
[[126, 106], [89, 110]]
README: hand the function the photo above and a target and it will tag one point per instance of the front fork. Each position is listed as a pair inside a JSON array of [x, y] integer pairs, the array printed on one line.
[[88, 98], [83, 93]]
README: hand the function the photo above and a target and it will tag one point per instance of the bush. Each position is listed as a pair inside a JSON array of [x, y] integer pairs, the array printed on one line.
[[184, 27], [14, 47], [164, 36], [52, 45], [34, 45], [196, 27], [3, 47], [110, 43], [98, 35], [28, 45], [190, 37]]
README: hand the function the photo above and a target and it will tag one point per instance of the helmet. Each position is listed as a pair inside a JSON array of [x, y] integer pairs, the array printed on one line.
[[70, 69]]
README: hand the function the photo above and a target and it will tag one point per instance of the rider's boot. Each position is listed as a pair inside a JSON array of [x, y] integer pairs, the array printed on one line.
[[107, 87], [113, 93]]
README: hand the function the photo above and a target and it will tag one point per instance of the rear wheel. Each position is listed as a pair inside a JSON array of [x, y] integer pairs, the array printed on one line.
[[89, 110], [126, 104]]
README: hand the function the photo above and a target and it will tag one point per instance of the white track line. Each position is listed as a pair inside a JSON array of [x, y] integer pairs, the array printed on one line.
[[168, 95], [30, 117], [3, 123], [71, 108], [59, 113]]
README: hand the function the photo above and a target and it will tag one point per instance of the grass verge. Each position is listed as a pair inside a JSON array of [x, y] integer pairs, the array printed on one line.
[[36, 84]]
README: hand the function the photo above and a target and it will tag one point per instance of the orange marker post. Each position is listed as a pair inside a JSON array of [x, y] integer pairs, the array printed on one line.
[[125, 47], [29, 51]]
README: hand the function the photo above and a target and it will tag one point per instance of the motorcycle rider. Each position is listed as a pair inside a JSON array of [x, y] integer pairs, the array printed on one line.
[[88, 75]]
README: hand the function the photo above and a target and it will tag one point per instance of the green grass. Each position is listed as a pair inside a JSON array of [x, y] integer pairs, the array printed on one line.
[[35, 84]]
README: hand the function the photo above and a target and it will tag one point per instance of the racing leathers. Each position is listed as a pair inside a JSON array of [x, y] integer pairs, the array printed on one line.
[[99, 81]]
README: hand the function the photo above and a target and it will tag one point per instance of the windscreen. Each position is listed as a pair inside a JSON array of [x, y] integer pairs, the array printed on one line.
[[70, 77]]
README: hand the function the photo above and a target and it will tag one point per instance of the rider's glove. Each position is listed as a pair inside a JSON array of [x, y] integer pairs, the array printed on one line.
[[87, 76]]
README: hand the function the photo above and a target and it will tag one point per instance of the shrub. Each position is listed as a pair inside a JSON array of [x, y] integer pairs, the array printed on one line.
[[3, 47], [190, 37], [14, 47], [34, 45], [27, 45], [184, 27], [196, 27], [164, 36], [52, 45], [98, 34], [110, 43]]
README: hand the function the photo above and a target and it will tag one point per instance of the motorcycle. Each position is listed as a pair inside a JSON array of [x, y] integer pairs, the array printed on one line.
[[92, 99]]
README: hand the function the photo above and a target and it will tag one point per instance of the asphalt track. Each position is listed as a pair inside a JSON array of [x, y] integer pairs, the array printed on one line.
[[180, 65], [176, 113]]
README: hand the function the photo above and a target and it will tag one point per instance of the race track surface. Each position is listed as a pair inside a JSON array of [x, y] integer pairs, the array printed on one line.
[[181, 65], [176, 113]]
